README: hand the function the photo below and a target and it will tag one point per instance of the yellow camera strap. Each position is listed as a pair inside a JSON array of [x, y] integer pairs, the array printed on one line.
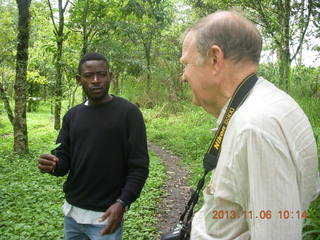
[[210, 160]]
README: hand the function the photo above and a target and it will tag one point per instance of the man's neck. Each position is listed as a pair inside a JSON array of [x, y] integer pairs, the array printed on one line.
[[105, 99], [232, 79]]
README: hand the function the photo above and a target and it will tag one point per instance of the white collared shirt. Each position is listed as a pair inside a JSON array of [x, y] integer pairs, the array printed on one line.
[[82, 216], [267, 173]]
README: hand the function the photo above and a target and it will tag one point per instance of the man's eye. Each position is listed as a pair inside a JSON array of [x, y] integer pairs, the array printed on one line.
[[102, 74], [87, 75]]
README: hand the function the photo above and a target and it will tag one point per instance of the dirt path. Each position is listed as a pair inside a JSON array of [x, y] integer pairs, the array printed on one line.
[[177, 190]]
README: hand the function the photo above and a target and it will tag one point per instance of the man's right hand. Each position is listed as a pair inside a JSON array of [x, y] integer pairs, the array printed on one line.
[[47, 163]]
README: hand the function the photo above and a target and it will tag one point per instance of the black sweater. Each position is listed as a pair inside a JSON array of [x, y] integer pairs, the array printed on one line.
[[104, 149]]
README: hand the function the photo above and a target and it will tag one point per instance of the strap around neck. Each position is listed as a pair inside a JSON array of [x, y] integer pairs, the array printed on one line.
[[210, 160]]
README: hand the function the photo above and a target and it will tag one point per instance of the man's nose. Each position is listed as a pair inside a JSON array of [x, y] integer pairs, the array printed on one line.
[[95, 78]]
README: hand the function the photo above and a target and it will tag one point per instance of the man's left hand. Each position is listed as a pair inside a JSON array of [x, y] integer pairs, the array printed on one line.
[[115, 215]]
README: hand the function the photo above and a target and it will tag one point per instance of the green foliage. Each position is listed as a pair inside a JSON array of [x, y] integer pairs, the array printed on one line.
[[30, 202], [311, 229], [305, 81], [8, 31]]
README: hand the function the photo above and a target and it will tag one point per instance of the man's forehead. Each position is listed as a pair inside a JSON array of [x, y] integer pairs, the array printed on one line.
[[89, 63], [188, 40], [188, 46]]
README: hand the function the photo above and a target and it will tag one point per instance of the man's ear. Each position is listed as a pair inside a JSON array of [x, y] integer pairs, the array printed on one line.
[[111, 76], [217, 58], [78, 78]]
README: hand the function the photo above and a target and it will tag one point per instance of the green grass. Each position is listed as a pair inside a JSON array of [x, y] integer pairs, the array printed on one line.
[[141, 223], [30, 202]]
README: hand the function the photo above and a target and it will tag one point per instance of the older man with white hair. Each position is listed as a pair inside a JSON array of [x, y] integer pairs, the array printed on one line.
[[267, 172]]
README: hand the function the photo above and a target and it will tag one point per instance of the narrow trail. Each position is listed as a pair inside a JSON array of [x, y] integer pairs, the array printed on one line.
[[177, 190]]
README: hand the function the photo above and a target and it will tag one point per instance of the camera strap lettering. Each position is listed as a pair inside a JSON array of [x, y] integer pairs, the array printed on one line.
[[210, 159]]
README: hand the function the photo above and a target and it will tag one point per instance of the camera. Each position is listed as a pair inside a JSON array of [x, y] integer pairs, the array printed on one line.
[[179, 232]]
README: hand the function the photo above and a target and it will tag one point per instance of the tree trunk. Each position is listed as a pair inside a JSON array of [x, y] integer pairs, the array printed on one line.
[[58, 89], [6, 103], [20, 121], [85, 35], [284, 68], [301, 29], [116, 85], [73, 96], [58, 65], [284, 65], [147, 51], [85, 38], [84, 52]]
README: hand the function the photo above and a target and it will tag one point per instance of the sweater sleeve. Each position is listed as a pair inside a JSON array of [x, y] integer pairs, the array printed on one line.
[[62, 151], [138, 159]]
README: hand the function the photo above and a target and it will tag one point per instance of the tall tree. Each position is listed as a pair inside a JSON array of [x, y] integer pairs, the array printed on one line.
[[144, 22], [60, 37], [20, 121], [286, 22], [87, 18]]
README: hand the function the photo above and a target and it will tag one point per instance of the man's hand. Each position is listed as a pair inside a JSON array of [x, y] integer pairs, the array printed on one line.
[[47, 163], [115, 215]]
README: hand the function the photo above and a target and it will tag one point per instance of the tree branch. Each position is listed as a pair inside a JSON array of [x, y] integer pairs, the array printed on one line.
[[52, 18], [65, 6], [304, 31], [90, 37], [266, 22]]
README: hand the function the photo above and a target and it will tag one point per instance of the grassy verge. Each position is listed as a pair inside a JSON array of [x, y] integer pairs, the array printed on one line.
[[30, 202]]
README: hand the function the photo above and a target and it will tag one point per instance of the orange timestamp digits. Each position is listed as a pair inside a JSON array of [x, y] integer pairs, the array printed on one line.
[[232, 214], [262, 214], [221, 214]]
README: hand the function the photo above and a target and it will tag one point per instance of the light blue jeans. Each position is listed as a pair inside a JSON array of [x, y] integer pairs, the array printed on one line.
[[76, 231]]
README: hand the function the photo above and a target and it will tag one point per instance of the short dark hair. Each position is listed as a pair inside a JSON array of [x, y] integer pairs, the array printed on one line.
[[92, 56]]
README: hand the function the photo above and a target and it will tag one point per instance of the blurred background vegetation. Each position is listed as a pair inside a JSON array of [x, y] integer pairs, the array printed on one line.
[[41, 42]]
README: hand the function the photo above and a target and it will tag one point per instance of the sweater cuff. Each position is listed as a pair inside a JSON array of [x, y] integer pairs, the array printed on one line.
[[127, 198]]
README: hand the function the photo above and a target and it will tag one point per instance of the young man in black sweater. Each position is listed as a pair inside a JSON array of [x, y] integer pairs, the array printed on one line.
[[103, 149]]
